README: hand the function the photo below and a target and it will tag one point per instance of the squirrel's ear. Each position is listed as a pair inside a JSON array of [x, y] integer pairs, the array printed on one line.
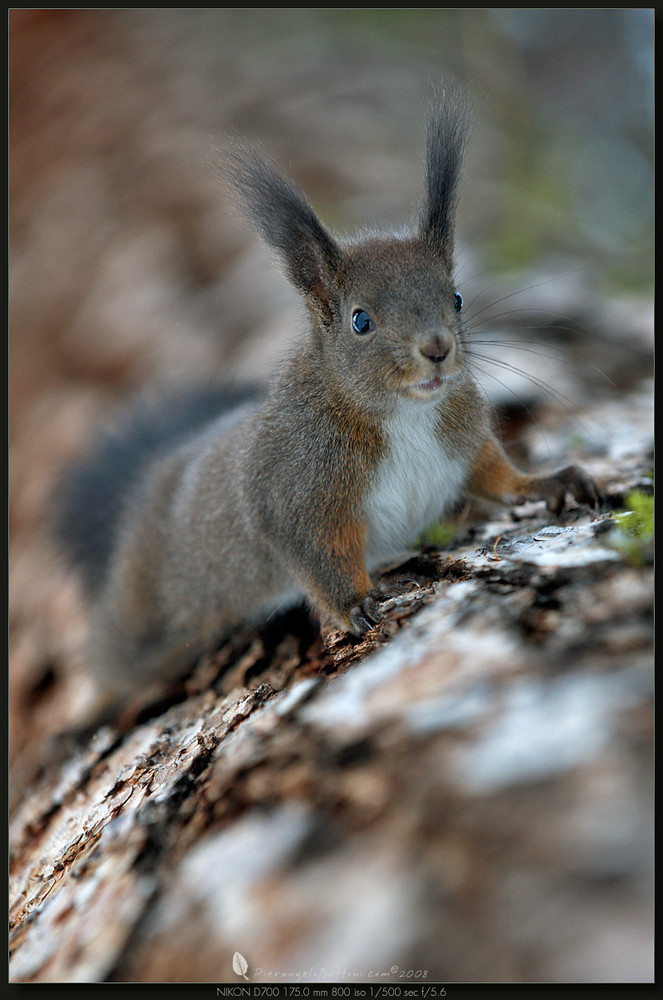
[[283, 217], [445, 144]]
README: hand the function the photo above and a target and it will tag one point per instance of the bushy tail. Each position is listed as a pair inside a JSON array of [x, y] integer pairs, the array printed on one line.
[[92, 493]]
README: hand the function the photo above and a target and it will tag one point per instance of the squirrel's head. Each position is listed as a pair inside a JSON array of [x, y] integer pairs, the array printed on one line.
[[386, 313]]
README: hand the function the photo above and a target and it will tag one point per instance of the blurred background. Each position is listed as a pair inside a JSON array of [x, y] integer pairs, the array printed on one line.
[[129, 268]]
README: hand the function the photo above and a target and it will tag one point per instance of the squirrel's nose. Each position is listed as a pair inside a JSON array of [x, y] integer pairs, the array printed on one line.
[[435, 350]]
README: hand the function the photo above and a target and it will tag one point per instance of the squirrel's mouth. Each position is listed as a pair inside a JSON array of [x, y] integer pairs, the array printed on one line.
[[429, 385]]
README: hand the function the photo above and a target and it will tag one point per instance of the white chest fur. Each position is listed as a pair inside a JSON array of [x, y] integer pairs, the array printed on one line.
[[415, 483]]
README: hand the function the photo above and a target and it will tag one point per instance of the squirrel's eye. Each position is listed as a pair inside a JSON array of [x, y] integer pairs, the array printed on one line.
[[458, 301], [362, 322]]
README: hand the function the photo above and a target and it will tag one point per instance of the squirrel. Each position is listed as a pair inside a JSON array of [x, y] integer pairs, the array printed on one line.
[[229, 504]]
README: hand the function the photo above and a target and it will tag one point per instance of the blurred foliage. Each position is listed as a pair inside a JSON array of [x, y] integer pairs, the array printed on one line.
[[633, 534], [560, 169], [638, 520], [564, 97]]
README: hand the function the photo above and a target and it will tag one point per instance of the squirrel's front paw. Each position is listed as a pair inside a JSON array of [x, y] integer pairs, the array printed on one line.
[[365, 615], [571, 480]]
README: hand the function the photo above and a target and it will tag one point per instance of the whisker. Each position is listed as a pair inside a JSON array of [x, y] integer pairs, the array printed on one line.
[[519, 291], [556, 322], [516, 312], [555, 394], [553, 347], [498, 339], [473, 322], [525, 345], [526, 409]]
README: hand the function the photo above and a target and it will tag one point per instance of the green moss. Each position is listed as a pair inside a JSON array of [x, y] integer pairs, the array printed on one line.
[[638, 520], [633, 534]]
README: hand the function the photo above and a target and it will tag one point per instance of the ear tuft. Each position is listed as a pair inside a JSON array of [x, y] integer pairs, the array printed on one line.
[[285, 220], [446, 136]]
